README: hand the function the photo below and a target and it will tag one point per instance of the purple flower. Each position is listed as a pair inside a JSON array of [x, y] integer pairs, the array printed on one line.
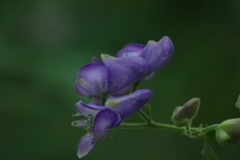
[[115, 75], [156, 54], [102, 118], [92, 80]]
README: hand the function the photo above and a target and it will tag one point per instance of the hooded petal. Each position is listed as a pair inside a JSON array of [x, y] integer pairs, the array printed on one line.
[[123, 71], [121, 91], [105, 119], [92, 80], [157, 54], [131, 49], [85, 145], [89, 110], [127, 105]]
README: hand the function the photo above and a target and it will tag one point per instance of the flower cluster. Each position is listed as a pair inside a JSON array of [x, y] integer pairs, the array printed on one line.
[[108, 81]]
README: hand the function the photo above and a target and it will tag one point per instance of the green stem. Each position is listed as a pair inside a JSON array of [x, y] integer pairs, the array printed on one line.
[[151, 125], [144, 116], [140, 112], [103, 101], [134, 87], [156, 125], [149, 111], [210, 128]]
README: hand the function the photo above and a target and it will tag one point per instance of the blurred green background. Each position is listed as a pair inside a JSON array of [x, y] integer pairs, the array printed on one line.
[[43, 43]]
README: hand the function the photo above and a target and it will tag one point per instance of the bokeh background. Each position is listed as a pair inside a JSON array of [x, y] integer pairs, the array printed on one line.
[[43, 43]]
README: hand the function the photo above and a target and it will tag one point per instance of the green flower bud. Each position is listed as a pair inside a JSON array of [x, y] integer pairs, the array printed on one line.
[[228, 132], [238, 103], [182, 116]]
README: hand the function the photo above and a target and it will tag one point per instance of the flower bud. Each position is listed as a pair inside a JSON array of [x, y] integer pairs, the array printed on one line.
[[182, 116], [228, 132], [238, 103]]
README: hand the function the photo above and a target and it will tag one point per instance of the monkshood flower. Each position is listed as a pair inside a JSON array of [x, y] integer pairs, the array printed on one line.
[[102, 118], [115, 75], [156, 54]]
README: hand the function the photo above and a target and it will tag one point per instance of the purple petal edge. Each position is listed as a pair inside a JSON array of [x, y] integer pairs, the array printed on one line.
[[132, 49], [85, 145], [89, 110], [157, 54], [127, 105]]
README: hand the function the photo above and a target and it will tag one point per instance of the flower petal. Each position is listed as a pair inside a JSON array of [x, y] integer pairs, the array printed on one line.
[[123, 71], [148, 77], [121, 91], [127, 105], [85, 145], [92, 80], [89, 110], [157, 54], [131, 49], [96, 101], [105, 119]]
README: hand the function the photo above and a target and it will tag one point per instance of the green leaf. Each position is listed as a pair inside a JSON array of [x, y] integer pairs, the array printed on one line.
[[207, 153]]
